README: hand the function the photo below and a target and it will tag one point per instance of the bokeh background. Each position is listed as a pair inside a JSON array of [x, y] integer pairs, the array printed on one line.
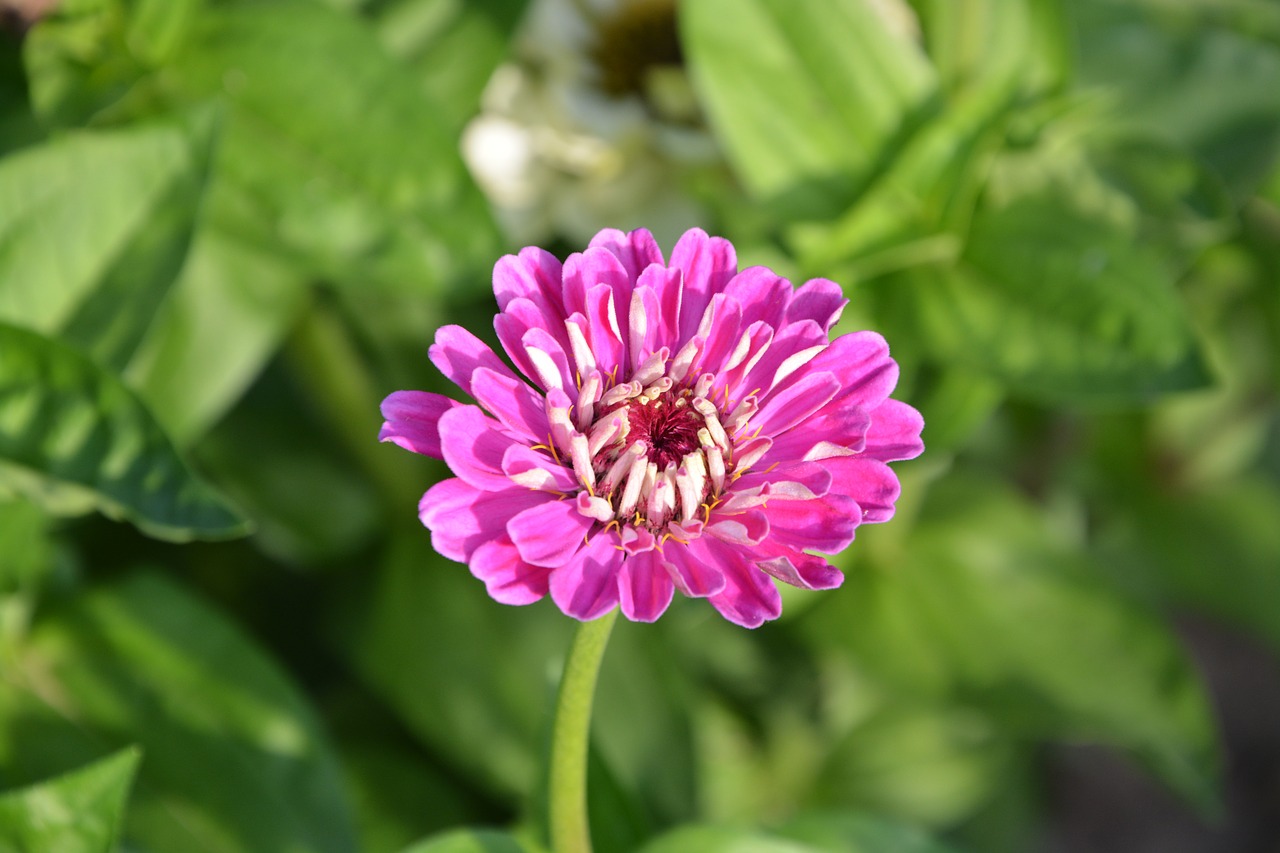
[[229, 228]]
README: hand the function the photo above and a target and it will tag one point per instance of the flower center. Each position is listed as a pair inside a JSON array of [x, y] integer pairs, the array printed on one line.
[[667, 425]]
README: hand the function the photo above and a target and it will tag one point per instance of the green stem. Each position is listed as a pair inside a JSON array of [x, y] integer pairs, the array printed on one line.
[[567, 788]]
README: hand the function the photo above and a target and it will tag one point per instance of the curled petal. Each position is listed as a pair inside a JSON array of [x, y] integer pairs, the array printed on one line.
[[693, 577], [457, 353], [894, 432], [870, 482], [645, 588], [413, 421], [586, 587], [512, 402], [708, 263], [636, 250], [819, 300], [461, 517], [825, 524], [534, 274], [473, 447], [749, 597], [798, 568], [509, 579], [549, 534]]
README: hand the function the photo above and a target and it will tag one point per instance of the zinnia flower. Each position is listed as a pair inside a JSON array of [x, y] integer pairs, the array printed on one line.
[[684, 426]]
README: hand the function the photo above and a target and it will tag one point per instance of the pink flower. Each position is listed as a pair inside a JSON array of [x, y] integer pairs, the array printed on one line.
[[684, 426]]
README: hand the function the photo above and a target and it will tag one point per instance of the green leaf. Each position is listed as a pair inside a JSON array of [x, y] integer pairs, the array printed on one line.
[[225, 317], [236, 760], [986, 606], [1058, 304], [342, 162], [94, 226], [806, 96], [28, 550], [80, 812], [472, 841], [69, 429]]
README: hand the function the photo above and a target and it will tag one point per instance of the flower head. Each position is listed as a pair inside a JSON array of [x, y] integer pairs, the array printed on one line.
[[684, 426]]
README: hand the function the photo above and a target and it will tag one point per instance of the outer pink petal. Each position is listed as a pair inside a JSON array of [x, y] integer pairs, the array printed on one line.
[[636, 250], [509, 579], [722, 328], [708, 263], [413, 421], [644, 587], [763, 294], [834, 430], [797, 568], [461, 517], [511, 401], [785, 409], [534, 274], [473, 447], [457, 353], [749, 597], [549, 534], [861, 362], [586, 587], [819, 300], [870, 482], [694, 578], [895, 432], [826, 524], [593, 267]]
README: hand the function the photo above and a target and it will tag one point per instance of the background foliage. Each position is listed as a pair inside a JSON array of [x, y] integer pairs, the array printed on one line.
[[228, 228]]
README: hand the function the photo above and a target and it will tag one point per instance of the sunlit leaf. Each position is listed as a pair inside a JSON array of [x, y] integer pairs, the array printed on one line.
[[472, 841], [235, 757], [805, 96], [987, 604], [852, 832], [94, 227], [68, 426], [720, 839], [80, 812]]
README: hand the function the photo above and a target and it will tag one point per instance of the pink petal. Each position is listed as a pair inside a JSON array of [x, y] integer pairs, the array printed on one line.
[[473, 447], [457, 353], [549, 534], [508, 579], [801, 481], [793, 346], [594, 267], [742, 528], [413, 421], [534, 275], [749, 597], [636, 250], [707, 263], [530, 469], [819, 300], [763, 294], [586, 587], [861, 362], [514, 323], [785, 409], [512, 402], [604, 325], [461, 517], [870, 482], [826, 524], [837, 429], [895, 432], [644, 587], [797, 568], [723, 329], [694, 578]]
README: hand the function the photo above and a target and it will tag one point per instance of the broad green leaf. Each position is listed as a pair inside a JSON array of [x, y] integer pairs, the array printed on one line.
[[225, 317], [472, 841], [1059, 305], [1188, 75], [69, 428], [80, 812], [343, 163], [988, 43], [28, 550], [805, 95], [94, 226], [987, 605], [236, 760]]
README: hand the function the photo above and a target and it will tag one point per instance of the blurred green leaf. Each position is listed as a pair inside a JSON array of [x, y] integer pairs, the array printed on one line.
[[472, 841], [484, 702], [344, 163], [990, 43], [223, 320], [987, 606], [70, 430], [859, 833], [805, 96], [1187, 75], [1059, 305], [28, 549], [94, 226], [721, 839], [236, 760], [80, 812]]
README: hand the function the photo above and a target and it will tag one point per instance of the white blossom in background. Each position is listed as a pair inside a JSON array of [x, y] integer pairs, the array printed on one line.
[[592, 123]]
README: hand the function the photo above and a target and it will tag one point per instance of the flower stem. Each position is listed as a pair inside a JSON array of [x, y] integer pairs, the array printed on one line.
[[567, 788]]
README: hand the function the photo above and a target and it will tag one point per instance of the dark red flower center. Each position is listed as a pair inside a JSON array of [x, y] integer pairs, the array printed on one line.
[[668, 425]]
